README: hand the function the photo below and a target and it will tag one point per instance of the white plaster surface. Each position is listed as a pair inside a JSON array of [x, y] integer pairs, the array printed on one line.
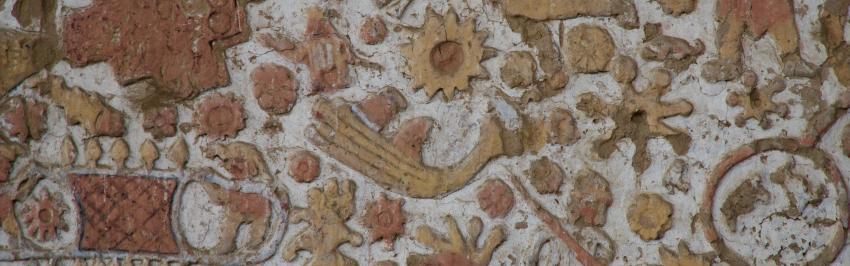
[[458, 122]]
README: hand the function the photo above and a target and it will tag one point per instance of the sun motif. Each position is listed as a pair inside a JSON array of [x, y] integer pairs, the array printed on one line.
[[43, 217], [446, 54]]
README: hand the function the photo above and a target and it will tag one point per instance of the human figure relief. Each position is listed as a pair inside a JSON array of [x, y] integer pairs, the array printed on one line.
[[756, 17]]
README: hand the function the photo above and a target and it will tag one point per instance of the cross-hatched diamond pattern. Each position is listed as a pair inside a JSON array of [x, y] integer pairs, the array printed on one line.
[[131, 214]]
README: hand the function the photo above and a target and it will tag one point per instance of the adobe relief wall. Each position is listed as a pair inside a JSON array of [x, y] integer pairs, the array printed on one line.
[[413, 132]]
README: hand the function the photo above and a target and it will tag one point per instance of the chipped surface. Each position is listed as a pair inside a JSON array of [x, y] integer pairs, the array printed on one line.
[[179, 46], [307, 133]]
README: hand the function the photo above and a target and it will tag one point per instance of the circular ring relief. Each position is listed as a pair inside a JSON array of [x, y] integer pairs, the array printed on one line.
[[776, 201], [229, 223]]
